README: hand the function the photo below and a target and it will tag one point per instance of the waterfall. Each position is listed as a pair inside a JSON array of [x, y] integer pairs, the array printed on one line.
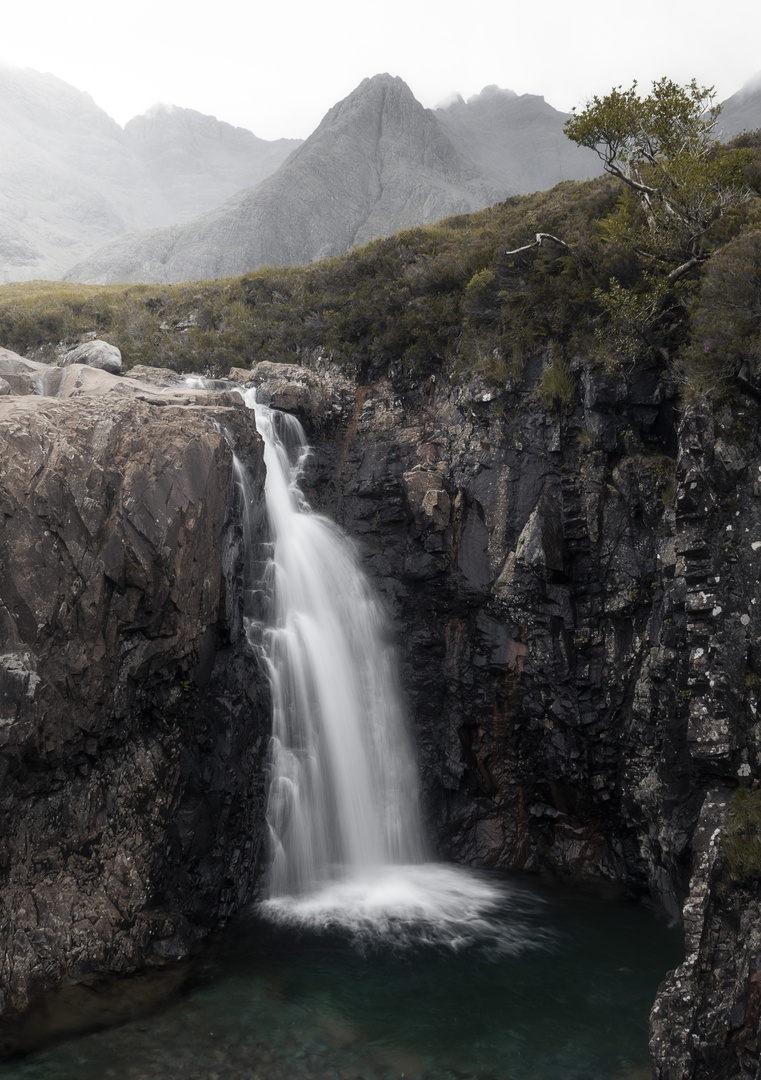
[[347, 844], [343, 790]]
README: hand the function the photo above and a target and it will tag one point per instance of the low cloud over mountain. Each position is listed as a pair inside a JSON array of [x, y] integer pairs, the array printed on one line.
[[71, 179]]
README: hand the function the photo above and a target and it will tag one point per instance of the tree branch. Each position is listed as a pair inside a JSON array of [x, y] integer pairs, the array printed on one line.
[[685, 268], [616, 170], [540, 238]]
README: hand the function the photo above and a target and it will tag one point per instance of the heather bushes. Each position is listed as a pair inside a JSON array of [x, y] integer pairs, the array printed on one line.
[[726, 318], [456, 297]]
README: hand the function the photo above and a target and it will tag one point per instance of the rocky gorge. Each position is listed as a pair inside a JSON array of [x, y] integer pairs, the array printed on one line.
[[575, 596]]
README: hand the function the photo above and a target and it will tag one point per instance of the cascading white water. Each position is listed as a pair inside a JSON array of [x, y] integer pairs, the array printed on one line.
[[343, 788], [343, 804]]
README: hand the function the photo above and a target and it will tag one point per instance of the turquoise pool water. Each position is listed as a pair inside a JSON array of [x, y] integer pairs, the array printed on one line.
[[559, 987]]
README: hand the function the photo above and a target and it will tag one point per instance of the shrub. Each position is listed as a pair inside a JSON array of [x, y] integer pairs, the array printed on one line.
[[556, 388], [741, 840], [726, 320]]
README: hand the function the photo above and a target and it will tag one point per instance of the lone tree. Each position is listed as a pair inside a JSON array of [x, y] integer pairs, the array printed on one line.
[[679, 182], [663, 148]]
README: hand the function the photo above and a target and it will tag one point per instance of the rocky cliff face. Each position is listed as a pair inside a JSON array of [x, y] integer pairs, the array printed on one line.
[[132, 718], [576, 597], [577, 605]]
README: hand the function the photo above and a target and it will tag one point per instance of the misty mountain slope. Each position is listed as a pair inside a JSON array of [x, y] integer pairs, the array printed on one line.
[[197, 162], [517, 142], [377, 162], [65, 179], [177, 195], [742, 111], [71, 178], [388, 160]]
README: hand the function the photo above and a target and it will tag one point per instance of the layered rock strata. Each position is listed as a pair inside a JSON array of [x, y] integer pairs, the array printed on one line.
[[576, 599]]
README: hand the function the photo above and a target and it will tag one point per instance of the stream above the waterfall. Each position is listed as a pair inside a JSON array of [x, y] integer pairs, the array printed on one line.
[[557, 987]]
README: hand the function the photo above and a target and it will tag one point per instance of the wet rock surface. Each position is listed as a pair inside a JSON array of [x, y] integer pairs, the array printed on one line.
[[576, 602], [133, 720]]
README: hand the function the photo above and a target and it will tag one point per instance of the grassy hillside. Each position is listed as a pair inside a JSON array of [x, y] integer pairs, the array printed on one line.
[[437, 298]]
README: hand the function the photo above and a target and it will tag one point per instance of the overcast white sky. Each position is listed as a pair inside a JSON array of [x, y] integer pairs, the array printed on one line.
[[277, 66]]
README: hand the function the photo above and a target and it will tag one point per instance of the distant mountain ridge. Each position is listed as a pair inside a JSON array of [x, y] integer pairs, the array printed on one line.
[[516, 142], [177, 195], [197, 161], [377, 162], [71, 178]]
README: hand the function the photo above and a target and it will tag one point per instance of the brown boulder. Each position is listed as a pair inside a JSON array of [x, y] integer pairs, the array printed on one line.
[[130, 711]]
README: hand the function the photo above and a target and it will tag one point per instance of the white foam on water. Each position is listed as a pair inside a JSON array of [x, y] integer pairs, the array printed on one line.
[[347, 851], [433, 904]]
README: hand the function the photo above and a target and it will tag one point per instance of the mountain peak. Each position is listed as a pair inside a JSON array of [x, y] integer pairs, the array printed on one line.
[[492, 91], [377, 88], [751, 87], [490, 98], [378, 106], [383, 79], [378, 162], [161, 108]]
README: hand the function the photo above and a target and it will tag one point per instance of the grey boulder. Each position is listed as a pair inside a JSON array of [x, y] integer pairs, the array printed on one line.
[[97, 354]]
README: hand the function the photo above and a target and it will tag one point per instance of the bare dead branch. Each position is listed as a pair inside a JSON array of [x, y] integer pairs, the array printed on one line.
[[540, 238], [685, 268]]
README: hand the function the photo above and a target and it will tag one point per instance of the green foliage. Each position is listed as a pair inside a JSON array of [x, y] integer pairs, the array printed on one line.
[[49, 312], [663, 148], [741, 839], [584, 439], [556, 388], [726, 320], [435, 298], [450, 298], [480, 298], [685, 195], [632, 314]]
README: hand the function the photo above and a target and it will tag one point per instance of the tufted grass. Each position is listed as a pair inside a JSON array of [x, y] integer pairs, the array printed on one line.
[[445, 298], [741, 839]]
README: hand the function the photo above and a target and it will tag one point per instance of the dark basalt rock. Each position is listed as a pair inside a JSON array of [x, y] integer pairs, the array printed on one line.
[[577, 608], [577, 605]]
